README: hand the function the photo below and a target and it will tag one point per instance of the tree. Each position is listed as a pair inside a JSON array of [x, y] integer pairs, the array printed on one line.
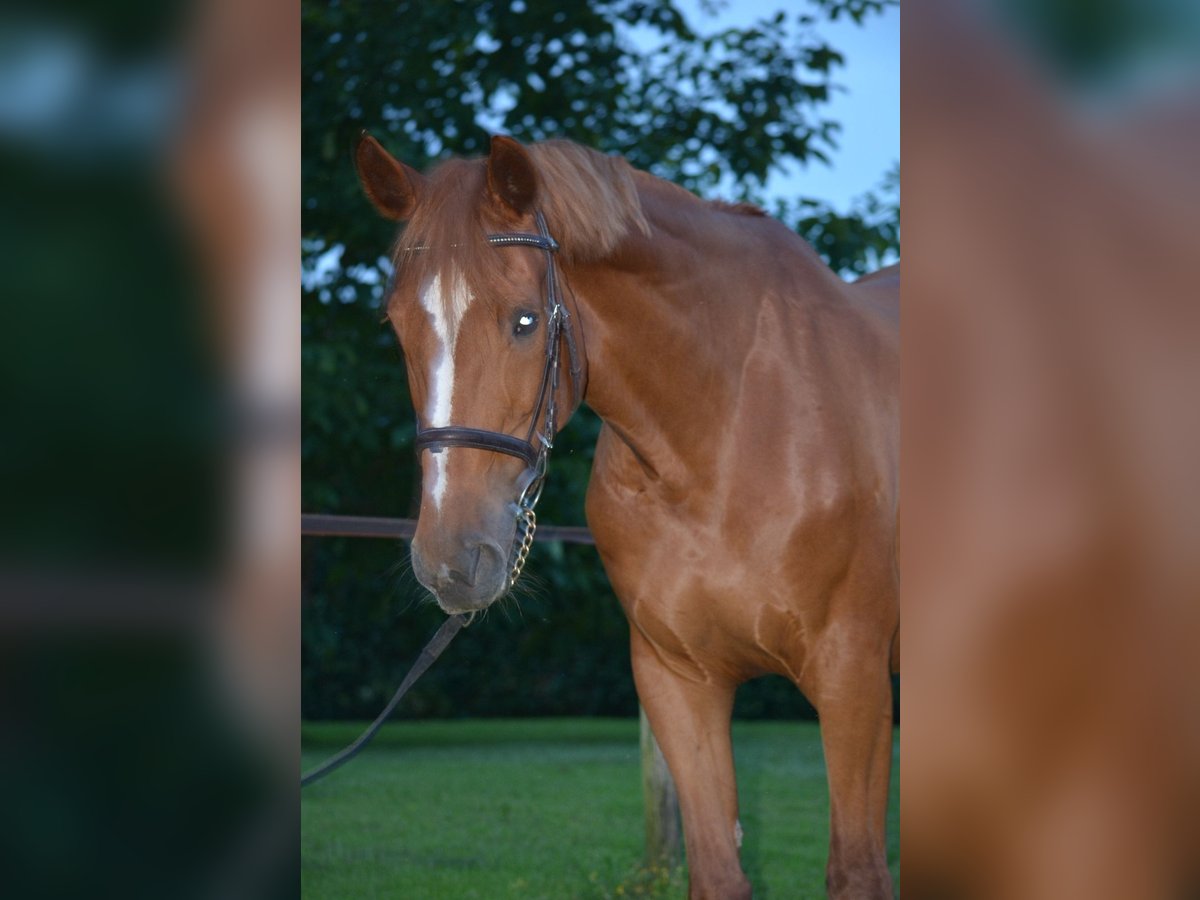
[[709, 111]]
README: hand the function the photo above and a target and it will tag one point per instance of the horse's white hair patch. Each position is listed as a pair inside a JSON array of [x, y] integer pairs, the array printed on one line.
[[445, 309], [737, 833]]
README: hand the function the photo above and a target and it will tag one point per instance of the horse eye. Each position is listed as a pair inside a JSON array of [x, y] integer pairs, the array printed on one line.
[[525, 324]]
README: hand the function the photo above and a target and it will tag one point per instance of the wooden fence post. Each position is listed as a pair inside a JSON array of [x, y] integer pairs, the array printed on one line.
[[664, 831]]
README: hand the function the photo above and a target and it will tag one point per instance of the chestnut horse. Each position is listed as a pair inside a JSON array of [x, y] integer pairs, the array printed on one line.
[[745, 488]]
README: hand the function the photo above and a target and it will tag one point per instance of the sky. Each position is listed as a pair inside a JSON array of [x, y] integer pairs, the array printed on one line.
[[868, 108]]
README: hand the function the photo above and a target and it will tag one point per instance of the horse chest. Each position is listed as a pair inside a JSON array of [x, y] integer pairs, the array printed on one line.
[[728, 578]]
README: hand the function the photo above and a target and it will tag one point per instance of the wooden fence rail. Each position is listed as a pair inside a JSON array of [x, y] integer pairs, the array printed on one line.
[[319, 525]]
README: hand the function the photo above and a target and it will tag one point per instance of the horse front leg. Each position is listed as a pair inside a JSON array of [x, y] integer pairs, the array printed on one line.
[[690, 718], [854, 700]]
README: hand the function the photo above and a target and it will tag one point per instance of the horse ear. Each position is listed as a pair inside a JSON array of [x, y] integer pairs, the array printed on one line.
[[511, 176], [392, 187]]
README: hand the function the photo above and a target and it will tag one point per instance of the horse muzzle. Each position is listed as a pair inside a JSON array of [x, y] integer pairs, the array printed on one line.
[[465, 578]]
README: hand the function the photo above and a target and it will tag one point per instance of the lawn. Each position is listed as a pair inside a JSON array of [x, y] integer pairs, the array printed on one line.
[[543, 808]]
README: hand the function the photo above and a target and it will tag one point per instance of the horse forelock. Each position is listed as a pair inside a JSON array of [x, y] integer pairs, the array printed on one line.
[[590, 202]]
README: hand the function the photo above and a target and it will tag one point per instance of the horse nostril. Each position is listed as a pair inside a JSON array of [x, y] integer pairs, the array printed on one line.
[[464, 574], [488, 558], [472, 565], [476, 562], [446, 577]]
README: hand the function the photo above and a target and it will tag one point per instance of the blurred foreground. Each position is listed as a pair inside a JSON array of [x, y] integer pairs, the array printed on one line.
[[149, 463], [1051, 535]]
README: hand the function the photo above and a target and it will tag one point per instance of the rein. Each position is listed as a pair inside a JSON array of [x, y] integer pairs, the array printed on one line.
[[534, 449]]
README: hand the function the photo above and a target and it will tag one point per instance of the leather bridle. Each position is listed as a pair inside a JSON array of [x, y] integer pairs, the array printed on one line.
[[535, 448]]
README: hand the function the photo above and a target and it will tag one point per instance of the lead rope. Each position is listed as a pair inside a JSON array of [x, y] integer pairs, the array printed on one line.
[[440, 640]]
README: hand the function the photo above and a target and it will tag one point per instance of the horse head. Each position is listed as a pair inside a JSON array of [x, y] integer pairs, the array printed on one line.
[[476, 308]]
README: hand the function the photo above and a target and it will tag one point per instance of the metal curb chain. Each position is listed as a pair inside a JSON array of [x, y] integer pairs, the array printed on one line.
[[528, 521]]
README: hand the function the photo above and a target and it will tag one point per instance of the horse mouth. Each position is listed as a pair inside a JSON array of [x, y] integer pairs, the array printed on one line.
[[456, 599], [454, 603]]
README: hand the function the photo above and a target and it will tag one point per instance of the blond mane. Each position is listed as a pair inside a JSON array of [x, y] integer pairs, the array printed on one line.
[[590, 200]]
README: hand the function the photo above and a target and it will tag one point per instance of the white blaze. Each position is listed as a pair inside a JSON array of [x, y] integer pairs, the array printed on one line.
[[445, 314]]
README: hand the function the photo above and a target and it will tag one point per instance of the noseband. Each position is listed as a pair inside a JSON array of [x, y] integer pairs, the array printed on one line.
[[535, 448]]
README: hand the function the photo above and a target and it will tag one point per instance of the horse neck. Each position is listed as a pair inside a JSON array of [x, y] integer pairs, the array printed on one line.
[[671, 320]]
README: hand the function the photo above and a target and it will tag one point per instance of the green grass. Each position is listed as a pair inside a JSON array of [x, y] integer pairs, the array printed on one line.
[[543, 808]]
